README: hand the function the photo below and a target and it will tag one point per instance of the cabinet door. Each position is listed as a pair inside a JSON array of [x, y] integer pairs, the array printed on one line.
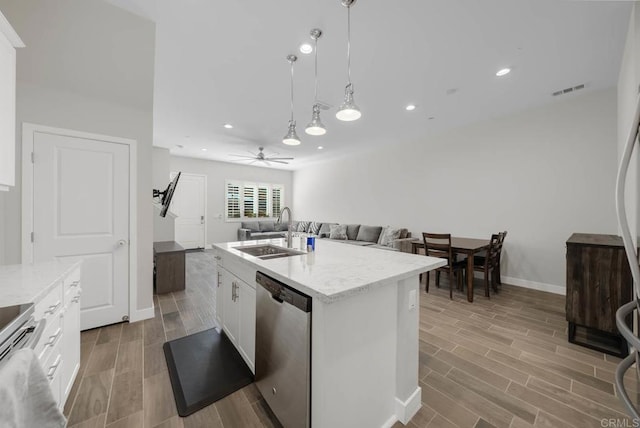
[[7, 113], [247, 339], [230, 321], [71, 338]]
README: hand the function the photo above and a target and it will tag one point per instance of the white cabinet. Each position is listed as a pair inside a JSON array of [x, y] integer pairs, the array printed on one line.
[[239, 315], [59, 346], [9, 41]]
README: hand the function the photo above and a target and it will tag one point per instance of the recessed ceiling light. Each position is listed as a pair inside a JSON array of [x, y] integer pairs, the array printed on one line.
[[503, 72], [320, 147], [306, 48], [431, 117], [204, 150], [228, 125], [410, 107]]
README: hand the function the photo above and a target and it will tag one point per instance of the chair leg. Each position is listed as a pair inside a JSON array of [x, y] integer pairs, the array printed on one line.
[[450, 286], [486, 283], [438, 278], [498, 279], [427, 286]]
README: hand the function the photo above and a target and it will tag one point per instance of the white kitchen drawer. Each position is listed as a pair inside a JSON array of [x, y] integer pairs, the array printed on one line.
[[71, 282], [53, 369], [51, 337], [49, 307]]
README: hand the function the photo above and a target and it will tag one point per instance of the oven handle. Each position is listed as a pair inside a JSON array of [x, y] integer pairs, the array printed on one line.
[[35, 334]]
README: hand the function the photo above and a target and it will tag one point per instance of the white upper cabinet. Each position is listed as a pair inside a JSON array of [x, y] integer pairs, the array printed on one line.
[[9, 41]]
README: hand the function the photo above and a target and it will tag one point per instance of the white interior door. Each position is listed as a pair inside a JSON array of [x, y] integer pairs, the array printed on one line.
[[189, 205], [81, 211]]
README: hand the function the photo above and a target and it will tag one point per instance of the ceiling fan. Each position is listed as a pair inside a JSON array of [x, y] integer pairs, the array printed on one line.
[[260, 157]]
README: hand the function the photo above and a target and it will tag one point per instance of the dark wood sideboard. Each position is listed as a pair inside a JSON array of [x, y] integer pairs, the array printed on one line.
[[598, 282], [169, 266]]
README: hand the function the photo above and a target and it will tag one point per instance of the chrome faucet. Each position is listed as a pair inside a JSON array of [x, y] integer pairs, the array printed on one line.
[[288, 224]]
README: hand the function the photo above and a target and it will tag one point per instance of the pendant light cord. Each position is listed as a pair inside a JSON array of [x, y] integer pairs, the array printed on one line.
[[292, 91], [316, 71], [349, 43]]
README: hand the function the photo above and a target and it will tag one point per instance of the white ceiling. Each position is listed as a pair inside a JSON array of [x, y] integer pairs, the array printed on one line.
[[219, 62]]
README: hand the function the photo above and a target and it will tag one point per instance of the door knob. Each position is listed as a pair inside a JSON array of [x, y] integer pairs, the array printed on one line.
[[122, 243]]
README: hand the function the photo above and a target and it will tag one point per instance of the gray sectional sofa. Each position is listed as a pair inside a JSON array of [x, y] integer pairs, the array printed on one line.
[[388, 238]]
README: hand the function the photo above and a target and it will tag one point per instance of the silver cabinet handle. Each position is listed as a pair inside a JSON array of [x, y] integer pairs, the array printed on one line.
[[233, 291], [54, 338], [53, 308], [218, 279], [52, 369], [74, 284], [76, 299]]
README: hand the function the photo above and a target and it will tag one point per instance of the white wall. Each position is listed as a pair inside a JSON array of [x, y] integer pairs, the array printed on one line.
[[628, 90], [163, 227], [46, 95], [218, 230], [540, 174]]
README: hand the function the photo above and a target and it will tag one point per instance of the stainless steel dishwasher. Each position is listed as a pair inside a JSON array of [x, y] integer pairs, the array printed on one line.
[[283, 351]]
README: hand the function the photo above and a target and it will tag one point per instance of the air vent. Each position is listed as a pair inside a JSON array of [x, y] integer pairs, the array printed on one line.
[[568, 90]]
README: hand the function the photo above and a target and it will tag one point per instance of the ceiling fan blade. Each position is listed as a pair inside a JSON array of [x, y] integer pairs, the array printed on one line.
[[243, 156], [278, 161], [270, 158]]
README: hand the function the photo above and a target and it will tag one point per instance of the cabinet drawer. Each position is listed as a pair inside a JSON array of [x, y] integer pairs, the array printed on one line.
[[71, 282], [50, 339], [53, 369], [49, 307]]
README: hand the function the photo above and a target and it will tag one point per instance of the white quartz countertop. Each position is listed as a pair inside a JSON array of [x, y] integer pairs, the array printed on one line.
[[29, 283], [336, 270]]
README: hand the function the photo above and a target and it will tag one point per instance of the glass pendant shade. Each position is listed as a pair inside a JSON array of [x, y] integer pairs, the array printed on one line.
[[315, 127], [291, 139], [348, 110]]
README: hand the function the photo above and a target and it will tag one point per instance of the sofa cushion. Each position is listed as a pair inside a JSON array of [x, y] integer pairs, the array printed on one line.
[[253, 226], [338, 231], [280, 227], [404, 233], [302, 226], [388, 235], [314, 227], [267, 226], [325, 229], [352, 231], [369, 233], [360, 243], [267, 235]]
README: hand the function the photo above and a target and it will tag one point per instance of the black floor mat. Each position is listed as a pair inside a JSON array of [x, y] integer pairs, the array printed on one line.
[[204, 367]]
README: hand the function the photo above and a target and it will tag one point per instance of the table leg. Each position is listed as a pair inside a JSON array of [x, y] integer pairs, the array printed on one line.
[[470, 276]]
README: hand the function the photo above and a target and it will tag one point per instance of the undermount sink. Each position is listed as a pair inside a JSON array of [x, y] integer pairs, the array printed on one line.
[[268, 251]]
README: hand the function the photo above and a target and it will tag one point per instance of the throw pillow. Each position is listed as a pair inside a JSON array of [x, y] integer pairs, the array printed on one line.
[[369, 233], [314, 227], [303, 226], [352, 231], [338, 231], [388, 235], [326, 229]]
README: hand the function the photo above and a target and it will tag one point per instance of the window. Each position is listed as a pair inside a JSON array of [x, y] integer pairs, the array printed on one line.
[[252, 200]]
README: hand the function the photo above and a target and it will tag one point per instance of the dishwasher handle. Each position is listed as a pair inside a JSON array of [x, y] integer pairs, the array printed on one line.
[[282, 293]]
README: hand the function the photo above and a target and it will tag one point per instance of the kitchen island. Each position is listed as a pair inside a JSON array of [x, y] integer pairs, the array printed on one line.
[[364, 324]]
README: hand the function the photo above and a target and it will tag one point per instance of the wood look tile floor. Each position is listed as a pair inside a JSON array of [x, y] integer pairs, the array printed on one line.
[[503, 362]]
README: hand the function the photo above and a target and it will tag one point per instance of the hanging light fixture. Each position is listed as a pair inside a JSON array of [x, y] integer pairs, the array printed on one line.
[[291, 138], [348, 110], [315, 127]]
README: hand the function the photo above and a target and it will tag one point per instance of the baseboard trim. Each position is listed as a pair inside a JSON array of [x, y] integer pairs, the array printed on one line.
[[405, 410], [540, 286], [142, 314]]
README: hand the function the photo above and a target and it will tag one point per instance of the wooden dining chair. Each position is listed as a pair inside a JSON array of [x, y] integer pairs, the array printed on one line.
[[489, 264], [439, 245], [503, 235]]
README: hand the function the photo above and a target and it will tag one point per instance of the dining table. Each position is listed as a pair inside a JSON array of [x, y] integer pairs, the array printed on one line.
[[468, 246]]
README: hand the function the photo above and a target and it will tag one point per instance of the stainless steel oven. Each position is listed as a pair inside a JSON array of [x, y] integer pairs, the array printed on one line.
[[18, 329]]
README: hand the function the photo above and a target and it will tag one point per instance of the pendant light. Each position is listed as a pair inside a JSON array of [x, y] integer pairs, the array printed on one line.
[[348, 110], [291, 138], [315, 127]]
